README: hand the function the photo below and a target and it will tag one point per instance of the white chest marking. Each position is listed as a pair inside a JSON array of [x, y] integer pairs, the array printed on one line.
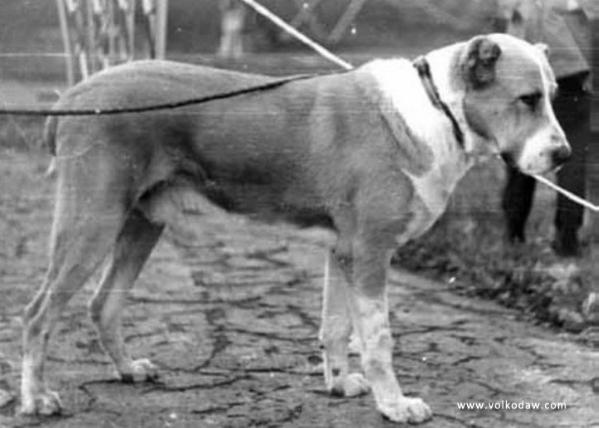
[[400, 82]]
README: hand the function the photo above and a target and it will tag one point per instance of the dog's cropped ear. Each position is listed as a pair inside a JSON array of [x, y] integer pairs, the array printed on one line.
[[479, 65]]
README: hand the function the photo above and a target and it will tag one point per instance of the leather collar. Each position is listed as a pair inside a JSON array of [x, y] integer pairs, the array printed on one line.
[[424, 71]]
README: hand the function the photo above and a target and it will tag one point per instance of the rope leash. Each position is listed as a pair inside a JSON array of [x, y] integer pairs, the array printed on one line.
[[566, 193], [337, 60], [258, 8], [154, 107]]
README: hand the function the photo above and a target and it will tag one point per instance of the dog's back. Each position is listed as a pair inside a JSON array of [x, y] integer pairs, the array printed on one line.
[[262, 153]]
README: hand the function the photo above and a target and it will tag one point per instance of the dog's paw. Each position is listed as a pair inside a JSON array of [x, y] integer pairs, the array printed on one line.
[[352, 385], [141, 370], [43, 403], [406, 409]]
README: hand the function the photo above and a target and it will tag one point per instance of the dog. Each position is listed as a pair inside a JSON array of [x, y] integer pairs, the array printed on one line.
[[373, 154]]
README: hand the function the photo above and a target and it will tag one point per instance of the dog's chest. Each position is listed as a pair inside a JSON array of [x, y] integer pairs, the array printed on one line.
[[430, 126], [433, 188], [402, 86], [432, 192]]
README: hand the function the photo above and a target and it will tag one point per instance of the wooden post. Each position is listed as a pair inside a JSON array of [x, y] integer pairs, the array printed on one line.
[[90, 25], [111, 55], [161, 23], [66, 40], [131, 30]]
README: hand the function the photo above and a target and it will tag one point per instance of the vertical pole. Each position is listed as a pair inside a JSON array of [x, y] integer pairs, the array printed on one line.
[[149, 13], [131, 29], [91, 49], [592, 158], [161, 22], [66, 40], [112, 41]]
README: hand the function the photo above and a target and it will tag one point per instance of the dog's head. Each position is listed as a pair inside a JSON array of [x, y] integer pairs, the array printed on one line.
[[509, 87]]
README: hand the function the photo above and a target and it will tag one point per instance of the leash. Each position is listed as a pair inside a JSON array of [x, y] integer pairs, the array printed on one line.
[[567, 194], [258, 8], [154, 107]]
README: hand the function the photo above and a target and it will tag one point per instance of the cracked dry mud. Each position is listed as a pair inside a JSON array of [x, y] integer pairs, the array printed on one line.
[[231, 319]]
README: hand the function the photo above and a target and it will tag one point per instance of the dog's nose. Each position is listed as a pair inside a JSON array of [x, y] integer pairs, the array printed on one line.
[[561, 155]]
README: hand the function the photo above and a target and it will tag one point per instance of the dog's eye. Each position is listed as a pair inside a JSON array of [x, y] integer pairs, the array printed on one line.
[[531, 100]]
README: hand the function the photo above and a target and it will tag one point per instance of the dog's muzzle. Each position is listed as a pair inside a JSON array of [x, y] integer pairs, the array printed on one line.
[[560, 155]]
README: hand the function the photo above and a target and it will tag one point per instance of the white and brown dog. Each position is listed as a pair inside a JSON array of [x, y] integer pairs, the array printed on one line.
[[373, 153]]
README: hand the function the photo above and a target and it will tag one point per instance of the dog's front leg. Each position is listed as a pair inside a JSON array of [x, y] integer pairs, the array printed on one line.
[[367, 299], [336, 328]]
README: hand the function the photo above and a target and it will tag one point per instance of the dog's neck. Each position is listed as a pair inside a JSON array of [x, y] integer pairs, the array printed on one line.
[[423, 67], [444, 66], [403, 91]]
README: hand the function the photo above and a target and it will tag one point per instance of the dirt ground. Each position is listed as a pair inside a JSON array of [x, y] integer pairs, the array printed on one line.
[[231, 319]]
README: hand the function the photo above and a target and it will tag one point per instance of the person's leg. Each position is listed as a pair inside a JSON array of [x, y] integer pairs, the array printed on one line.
[[591, 220], [517, 203], [572, 108]]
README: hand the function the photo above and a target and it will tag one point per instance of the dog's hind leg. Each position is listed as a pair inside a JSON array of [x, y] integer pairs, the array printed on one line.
[[133, 246], [89, 213], [335, 330]]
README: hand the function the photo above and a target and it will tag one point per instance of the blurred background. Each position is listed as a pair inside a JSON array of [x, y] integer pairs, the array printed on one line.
[[193, 31]]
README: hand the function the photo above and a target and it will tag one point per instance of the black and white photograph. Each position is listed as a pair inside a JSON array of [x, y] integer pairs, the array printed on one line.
[[299, 213]]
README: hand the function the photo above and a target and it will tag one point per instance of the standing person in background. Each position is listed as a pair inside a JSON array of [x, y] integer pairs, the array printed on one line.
[[563, 25]]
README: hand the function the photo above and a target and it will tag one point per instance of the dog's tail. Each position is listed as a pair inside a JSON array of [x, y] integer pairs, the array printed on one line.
[[50, 142]]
